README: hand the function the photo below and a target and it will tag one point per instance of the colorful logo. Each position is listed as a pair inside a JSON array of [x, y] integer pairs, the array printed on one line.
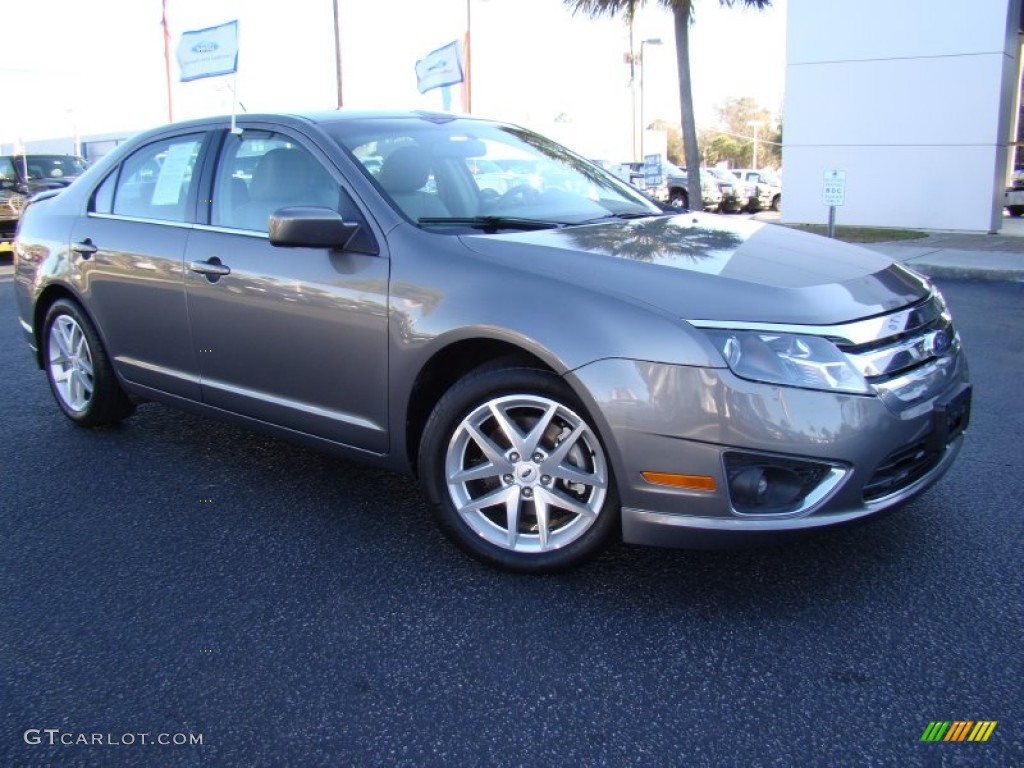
[[959, 730], [205, 47]]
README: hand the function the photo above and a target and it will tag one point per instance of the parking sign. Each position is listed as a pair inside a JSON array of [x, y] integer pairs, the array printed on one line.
[[835, 188]]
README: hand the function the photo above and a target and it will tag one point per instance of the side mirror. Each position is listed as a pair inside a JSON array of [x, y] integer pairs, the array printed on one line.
[[316, 227]]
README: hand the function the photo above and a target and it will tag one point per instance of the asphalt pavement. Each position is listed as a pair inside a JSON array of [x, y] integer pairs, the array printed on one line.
[[177, 578]]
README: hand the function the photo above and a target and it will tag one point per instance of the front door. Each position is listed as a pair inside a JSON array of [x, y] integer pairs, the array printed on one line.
[[292, 336]]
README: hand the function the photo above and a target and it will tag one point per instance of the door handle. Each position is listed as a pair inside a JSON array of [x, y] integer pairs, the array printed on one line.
[[212, 268], [85, 249]]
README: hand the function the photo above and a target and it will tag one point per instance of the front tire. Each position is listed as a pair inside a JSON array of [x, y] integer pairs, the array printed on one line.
[[678, 199], [81, 378], [517, 474]]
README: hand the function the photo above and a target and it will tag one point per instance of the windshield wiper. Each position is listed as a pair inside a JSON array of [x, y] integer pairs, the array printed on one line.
[[491, 223], [623, 215]]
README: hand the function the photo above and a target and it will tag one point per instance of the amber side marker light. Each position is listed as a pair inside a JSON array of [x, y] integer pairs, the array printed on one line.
[[689, 482]]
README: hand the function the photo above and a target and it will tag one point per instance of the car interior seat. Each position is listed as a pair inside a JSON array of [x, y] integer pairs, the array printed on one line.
[[283, 177], [403, 175]]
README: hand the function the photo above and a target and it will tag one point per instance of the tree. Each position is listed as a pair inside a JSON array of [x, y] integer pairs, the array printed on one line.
[[682, 13], [732, 141], [738, 117]]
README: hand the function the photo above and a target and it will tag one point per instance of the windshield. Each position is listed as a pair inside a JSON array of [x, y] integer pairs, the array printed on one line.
[[50, 166], [456, 172]]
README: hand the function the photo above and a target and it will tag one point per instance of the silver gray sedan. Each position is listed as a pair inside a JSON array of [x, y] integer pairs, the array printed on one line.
[[559, 360]]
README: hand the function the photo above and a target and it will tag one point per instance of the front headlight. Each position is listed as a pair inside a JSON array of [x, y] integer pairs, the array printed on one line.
[[792, 360]]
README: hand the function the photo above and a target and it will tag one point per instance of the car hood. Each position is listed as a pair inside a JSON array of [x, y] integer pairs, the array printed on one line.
[[706, 267], [39, 185]]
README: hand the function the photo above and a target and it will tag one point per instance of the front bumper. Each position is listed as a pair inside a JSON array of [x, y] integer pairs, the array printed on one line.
[[685, 421]]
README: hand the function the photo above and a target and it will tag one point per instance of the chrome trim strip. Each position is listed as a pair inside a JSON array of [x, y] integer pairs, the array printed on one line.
[[163, 371], [295, 405], [855, 333], [906, 353], [182, 224], [828, 484], [26, 327], [230, 231], [139, 220]]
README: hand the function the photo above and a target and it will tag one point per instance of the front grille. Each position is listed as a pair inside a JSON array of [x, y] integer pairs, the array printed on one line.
[[907, 356], [900, 469]]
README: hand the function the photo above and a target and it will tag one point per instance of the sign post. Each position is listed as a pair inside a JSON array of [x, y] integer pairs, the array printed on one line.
[[834, 194]]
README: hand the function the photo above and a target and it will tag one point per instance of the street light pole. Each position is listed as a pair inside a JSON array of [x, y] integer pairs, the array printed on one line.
[[755, 126], [643, 77]]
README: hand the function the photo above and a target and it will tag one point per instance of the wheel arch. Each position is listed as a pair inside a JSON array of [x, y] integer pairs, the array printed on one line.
[[445, 367]]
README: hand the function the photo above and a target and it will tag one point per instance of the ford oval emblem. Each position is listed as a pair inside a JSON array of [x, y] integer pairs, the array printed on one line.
[[204, 47], [938, 342]]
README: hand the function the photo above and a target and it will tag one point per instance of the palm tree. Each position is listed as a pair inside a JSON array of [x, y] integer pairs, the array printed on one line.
[[682, 13]]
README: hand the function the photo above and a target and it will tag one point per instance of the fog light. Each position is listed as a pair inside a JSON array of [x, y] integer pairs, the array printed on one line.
[[749, 487], [769, 485]]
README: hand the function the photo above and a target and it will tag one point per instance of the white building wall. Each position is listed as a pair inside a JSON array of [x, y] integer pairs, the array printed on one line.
[[914, 99]]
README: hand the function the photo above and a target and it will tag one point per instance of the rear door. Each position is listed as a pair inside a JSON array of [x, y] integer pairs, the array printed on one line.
[[132, 244]]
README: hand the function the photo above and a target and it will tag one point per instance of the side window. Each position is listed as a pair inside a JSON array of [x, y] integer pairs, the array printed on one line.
[[154, 182], [7, 172], [103, 197], [259, 172]]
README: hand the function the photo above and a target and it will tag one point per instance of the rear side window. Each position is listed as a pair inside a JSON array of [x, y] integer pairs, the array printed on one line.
[[155, 181]]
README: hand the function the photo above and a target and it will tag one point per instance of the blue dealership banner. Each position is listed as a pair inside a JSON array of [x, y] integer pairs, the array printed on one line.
[[208, 52], [440, 68]]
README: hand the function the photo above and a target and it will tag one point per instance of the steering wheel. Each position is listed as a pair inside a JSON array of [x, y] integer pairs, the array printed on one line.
[[520, 194]]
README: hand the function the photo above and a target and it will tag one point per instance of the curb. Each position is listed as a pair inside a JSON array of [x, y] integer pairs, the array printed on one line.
[[966, 273]]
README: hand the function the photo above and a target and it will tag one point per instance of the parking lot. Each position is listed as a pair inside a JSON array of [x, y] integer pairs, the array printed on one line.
[[179, 576]]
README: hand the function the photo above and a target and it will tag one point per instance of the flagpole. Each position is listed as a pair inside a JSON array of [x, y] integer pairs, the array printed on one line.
[[234, 101], [167, 61], [337, 49], [468, 85]]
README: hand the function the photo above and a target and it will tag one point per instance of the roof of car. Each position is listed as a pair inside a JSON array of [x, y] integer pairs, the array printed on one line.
[[331, 116]]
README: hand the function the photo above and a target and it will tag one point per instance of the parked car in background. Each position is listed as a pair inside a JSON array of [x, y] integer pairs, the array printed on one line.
[[558, 364], [673, 187], [736, 193], [22, 176], [633, 173], [679, 193], [768, 188], [1013, 198]]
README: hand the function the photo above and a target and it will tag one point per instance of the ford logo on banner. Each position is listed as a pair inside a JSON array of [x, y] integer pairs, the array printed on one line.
[[208, 52], [440, 68]]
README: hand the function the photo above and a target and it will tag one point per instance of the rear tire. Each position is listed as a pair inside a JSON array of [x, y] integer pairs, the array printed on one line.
[[517, 473], [78, 369], [1016, 210]]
